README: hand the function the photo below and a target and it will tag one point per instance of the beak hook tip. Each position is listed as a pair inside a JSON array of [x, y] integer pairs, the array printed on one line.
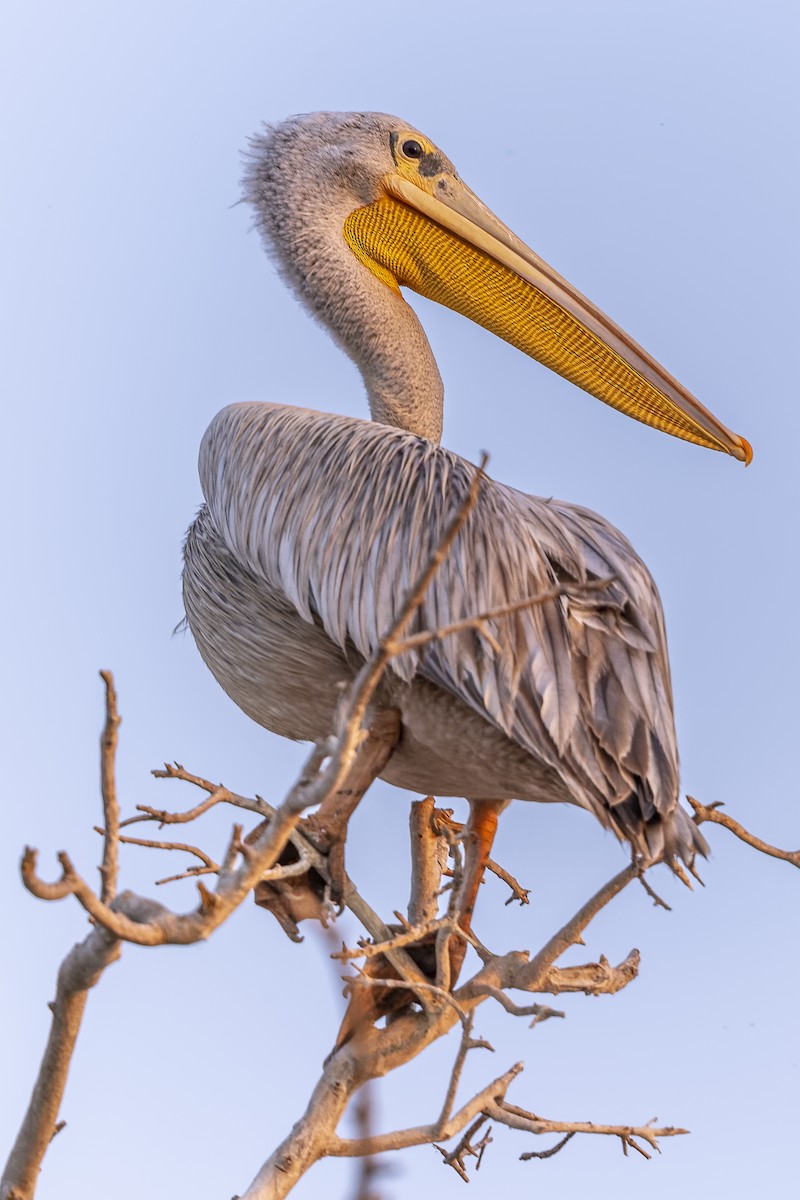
[[747, 451]]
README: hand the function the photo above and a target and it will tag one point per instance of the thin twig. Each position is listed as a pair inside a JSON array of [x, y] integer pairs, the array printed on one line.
[[518, 892], [710, 812], [416, 986], [307, 851], [450, 829], [464, 1149], [529, 1154], [519, 1118], [479, 620], [408, 937], [466, 1044], [539, 1012], [570, 933], [654, 896], [421, 1135], [152, 844]]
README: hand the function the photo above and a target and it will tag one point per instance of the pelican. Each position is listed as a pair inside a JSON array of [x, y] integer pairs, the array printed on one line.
[[314, 525]]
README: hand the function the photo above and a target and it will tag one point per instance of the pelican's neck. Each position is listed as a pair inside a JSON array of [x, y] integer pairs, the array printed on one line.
[[404, 387], [370, 320]]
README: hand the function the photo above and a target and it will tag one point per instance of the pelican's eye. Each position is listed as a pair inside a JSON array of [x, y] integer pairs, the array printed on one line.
[[412, 149]]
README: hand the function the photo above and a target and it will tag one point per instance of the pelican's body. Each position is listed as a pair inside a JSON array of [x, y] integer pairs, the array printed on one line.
[[315, 525], [287, 598]]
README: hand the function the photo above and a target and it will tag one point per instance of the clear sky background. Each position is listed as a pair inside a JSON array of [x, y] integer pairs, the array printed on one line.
[[649, 152]]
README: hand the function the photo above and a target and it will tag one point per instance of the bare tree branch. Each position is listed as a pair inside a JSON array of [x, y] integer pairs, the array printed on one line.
[[528, 1122], [407, 937], [310, 1138], [407, 973], [208, 867], [539, 1012], [466, 1044], [421, 1135], [593, 979], [547, 1153], [375, 1051], [322, 770], [531, 977], [444, 823], [80, 971], [480, 620], [710, 812], [465, 1149], [108, 786], [418, 987], [428, 859]]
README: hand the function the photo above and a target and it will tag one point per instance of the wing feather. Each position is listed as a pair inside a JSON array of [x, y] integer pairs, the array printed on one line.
[[342, 515]]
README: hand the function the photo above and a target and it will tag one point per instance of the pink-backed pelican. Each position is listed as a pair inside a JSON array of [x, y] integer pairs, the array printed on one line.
[[314, 525]]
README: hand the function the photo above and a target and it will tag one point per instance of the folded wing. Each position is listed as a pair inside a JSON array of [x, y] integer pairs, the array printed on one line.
[[341, 515]]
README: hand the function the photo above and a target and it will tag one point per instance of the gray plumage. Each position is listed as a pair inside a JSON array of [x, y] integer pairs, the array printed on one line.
[[315, 525]]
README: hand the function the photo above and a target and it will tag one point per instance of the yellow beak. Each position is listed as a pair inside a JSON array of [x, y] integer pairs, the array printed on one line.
[[443, 242]]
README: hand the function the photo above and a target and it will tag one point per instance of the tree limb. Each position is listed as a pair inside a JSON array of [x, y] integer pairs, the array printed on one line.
[[710, 812], [518, 1118], [420, 1135], [368, 1051], [80, 971], [108, 786]]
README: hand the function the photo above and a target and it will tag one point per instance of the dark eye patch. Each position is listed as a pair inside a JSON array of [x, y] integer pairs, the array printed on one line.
[[432, 164]]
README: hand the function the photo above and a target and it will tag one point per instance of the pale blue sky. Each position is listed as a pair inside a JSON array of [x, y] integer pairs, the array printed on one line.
[[649, 152]]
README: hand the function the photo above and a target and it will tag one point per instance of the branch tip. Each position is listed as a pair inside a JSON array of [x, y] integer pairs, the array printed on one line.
[[710, 812]]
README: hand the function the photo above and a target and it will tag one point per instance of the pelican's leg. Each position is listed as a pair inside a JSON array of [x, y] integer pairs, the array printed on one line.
[[368, 1003], [477, 839], [303, 896], [327, 827]]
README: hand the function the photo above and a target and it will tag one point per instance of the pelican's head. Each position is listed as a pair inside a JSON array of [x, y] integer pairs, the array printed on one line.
[[407, 216]]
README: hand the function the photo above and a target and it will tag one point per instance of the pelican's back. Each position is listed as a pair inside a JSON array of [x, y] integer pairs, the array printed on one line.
[[336, 517]]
